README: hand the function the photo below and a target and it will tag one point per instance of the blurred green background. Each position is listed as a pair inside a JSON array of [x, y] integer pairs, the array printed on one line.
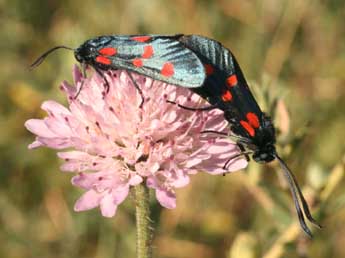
[[292, 52]]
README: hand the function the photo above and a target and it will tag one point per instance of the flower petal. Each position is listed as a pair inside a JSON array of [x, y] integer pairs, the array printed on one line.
[[108, 206], [88, 200], [135, 180], [166, 199], [77, 74], [39, 127], [55, 108]]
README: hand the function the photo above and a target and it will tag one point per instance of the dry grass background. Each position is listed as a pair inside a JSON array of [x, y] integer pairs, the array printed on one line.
[[292, 52]]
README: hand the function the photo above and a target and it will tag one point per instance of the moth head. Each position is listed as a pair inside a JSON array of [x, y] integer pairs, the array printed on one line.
[[265, 154], [85, 53]]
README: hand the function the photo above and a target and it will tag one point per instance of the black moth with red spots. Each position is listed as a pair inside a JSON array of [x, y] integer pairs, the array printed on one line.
[[162, 58], [210, 70], [159, 57], [226, 88]]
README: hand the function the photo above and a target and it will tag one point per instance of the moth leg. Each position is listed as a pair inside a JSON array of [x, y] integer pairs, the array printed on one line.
[[240, 145], [193, 109], [215, 132], [138, 89], [243, 153], [106, 85], [226, 135], [79, 90], [82, 83]]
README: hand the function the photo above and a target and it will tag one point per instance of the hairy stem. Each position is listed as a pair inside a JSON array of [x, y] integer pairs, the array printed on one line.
[[143, 221]]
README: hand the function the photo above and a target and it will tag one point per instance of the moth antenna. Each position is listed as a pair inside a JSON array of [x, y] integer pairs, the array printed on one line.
[[297, 193], [39, 60], [83, 69], [306, 209], [138, 89]]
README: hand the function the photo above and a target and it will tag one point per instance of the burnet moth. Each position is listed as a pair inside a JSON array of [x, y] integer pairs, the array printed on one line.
[[226, 88], [159, 57], [207, 68]]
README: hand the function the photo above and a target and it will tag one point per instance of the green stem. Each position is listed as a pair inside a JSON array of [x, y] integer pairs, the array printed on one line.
[[143, 221]]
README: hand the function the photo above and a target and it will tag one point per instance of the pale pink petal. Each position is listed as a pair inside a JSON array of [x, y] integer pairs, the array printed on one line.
[[58, 128], [79, 161], [181, 180], [70, 90], [55, 143], [88, 200], [120, 194], [222, 146], [39, 127], [135, 180], [193, 162], [166, 199], [237, 164], [35, 144], [55, 108], [85, 180], [108, 206], [234, 165], [72, 166], [151, 182], [77, 75], [78, 155]]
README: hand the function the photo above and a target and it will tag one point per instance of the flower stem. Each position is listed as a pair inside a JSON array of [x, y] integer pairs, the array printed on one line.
[[143, 221]]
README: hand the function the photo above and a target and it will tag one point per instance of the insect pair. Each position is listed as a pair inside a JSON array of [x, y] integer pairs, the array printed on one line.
[[208, 69]]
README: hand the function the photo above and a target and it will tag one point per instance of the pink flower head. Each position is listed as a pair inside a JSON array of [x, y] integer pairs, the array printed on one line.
[[113, 144]]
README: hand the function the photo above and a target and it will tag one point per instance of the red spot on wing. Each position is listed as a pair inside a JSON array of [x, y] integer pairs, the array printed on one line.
[[168, 69], [141, 38], [108, 51], [231, 80], [248, 128], [209, 69], [137, 62], [148, 52], [253, 120], [227, 96], [103, 60]]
